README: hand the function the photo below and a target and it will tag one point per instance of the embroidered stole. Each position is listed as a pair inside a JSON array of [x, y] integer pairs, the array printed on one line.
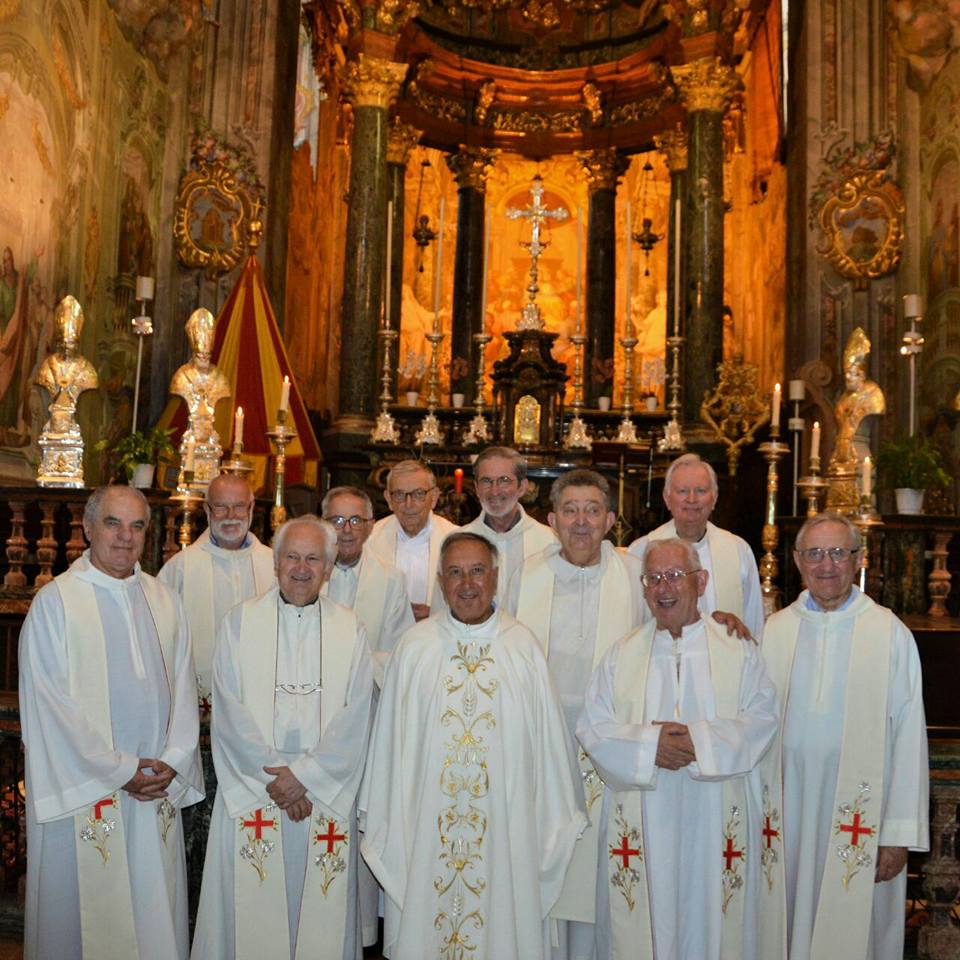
[[198, 592], [577, 900], [725, 561], [260, 892], [631, 930], [106, 906], [845, 903], [368, 604]]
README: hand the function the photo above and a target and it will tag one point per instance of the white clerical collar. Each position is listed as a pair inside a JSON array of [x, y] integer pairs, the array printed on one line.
[[285, 604], [86, 570], [214, 547], [418, 538], [513, 530], [686, 633], [568, 571], [810, 605], [472, 631]]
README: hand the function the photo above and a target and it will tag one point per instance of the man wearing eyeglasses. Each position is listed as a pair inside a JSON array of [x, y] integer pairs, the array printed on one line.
[[410, 538], [848, 774], [500, 476], [292, 688], [676, 719]]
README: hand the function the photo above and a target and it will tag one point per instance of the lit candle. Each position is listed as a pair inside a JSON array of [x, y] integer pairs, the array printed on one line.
[[389, 262], [775, 406], [439, 266], [285, 395], [815, 441], [458, 480], [486, 266], [867, 476], [676, 268], [628, 321], [238, 426], [145, 288], [188, 456], [579, 270], [912, 305]]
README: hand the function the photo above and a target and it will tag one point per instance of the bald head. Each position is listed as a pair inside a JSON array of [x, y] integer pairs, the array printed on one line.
[[229, 507]]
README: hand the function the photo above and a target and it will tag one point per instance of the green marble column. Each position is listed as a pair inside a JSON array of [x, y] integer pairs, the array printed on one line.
[[602, 168], [470, 167], [370, 85], [706, 86]]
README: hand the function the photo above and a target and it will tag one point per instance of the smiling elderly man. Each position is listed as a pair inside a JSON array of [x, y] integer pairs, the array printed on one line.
[[292, 686], [108, 708], [851, 759], [676, 718], [471, 795]]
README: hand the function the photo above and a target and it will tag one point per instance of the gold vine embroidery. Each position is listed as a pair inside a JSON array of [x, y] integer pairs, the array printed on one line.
[[851, 826], [627, 848]]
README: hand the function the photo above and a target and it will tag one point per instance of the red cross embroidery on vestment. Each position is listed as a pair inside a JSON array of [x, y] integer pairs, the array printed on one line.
[[99, 805], [330, 836], [625, 852], [854, 829], [730, 854], [258, 823]]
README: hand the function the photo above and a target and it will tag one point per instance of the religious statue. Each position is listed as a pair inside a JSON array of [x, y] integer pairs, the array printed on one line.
[[202, 385], [64, 375], [861, 398]]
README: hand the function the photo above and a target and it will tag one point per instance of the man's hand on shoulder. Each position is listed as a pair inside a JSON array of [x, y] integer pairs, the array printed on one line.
[[420, 611], [733, 624]]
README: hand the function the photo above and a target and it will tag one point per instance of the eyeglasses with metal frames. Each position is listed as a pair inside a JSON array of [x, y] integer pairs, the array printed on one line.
[[354, 521], [836, 554], [417, 496], [670, 576]]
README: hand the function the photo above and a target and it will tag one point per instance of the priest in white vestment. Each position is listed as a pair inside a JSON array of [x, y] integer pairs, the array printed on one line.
[[500, 477], [376, 592], [848, 780], [690, 493], [676, 719], [411, 536], [471, 797], [578, 596], [292, 686], [108, 709]]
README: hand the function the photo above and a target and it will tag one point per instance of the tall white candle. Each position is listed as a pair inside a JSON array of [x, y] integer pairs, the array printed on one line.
[[912, 305], [188, 456], [238, 426], [867, 476], [486, 268], [145, 288], [815, 441], [579, 271], [285, 394], [389, 263], [775, 406], [628, 320], [676, 268], [438, 270]]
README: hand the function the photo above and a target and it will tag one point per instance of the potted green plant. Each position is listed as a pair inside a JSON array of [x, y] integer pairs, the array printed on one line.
[[137, 453], [601, 373], [909, 467]]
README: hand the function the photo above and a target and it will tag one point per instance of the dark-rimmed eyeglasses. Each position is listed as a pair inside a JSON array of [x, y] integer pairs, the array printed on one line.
[[670, 576], [417, 496], [220, 510], [354, 521], [836, 554]]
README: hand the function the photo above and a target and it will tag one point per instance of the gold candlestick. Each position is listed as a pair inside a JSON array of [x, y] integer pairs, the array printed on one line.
[[281, 435], [627, 432], [772, 451], [577, 435], [812, 486], [479, 430], [867, 520], [236, 466], [429, 432], [385, 430], [672, 438], [190, 500]]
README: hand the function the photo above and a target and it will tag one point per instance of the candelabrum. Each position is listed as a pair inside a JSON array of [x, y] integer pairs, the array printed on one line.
[[672, 438], [627, 432], [385, 430], [795, 425], [911, 349], [867, 519], [429, 432], [142, 327], [236, 466], [813, 485], [189, 499], [281, 435], [578, 438], [479, 430], [772, 451]]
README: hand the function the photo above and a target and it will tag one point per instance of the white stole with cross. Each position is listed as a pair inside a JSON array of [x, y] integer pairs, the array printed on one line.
[[106, 907], [845, 904], [259, 881], [577, 900], [631, 931]]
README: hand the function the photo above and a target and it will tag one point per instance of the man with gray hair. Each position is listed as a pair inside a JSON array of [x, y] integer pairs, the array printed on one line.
[[108, 709], [847, 776], [410, 538], [690, 493], [292, 687], [676, 719]]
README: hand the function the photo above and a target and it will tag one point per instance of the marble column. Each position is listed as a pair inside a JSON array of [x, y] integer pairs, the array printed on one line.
[[470, 166], [400, 141], [602, 169], [673, 147], [706, 87], [370, 84]]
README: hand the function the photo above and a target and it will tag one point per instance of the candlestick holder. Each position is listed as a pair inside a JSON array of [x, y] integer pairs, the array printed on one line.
[[627, 432], [142, 327], [189, 499], [281, 435], [578, 437], [796, 425], [236, 466], [772, 451], [812, 485], [429, 432], [385, 429], [867, 520], [672, 438], [479, 430]]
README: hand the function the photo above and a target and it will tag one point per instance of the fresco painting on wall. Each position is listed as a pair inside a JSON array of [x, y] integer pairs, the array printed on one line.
[[943, 240]]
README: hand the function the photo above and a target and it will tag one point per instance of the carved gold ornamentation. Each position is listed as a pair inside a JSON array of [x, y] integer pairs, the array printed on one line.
[[535, 121], [403, 137], [593, 101], [863, 227], [485, 97], [541, 13], [695, 17], [443, 108], [673, 146], [213, 218], [385, 16], [602, 168], [526, 421], [707, 84], [471, 165], [638, 110], [372, 81]]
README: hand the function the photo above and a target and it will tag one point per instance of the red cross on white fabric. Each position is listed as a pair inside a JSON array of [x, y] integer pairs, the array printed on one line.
[[855, 829], [625, 852], [769, 833], [730, 854], [99, 805], [330, 836], [258, 823]]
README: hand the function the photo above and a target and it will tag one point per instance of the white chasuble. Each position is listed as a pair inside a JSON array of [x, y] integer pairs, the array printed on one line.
[[106, 678], [471, 798], [292, 687], [577, 614], [678, 870], [847, 775]]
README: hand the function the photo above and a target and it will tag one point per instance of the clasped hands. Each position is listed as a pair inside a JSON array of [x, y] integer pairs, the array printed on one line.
[[674, 748], [151, 780], [288, 793]]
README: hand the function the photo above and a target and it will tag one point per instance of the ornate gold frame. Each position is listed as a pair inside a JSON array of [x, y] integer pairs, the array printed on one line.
[[842, 215], [235, 209]]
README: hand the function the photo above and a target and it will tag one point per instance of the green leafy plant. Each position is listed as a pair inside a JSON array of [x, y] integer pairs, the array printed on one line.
[[912, 462], [139, 447]]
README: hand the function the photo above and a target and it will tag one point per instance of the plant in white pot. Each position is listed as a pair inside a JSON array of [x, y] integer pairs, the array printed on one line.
[[910, 467], [137, 454]]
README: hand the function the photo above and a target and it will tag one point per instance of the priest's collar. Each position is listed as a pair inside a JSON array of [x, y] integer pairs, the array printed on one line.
[[566, 570], [85, 569], [517, 518], [686, 631], [212, 541], [473, 631], [293, 606], [421, 537], [811, 604]]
